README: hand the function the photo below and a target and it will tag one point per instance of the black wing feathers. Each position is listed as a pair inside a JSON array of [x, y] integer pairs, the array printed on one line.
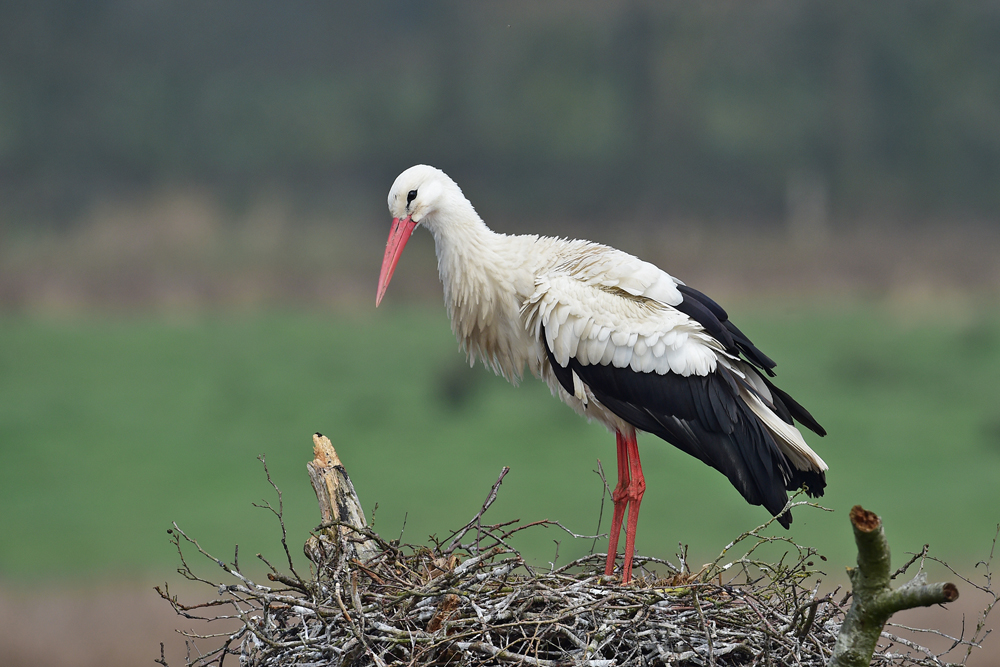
[[715, 319], [707, 313], [794, 409], [562, 373], [705, 416]]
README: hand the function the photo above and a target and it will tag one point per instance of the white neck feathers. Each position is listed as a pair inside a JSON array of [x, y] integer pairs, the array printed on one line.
[[478, 276]]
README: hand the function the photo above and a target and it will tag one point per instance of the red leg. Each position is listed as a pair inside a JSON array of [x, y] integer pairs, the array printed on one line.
[[620, 498], [636, 487]]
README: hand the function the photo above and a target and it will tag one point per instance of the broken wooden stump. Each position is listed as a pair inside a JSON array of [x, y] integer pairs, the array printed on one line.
[[873, 600], [344, 535]]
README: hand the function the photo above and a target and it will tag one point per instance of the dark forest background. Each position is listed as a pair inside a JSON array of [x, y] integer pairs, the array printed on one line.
[[626, 110]]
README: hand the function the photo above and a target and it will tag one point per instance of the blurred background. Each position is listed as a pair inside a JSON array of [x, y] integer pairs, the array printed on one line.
[[192, 218]]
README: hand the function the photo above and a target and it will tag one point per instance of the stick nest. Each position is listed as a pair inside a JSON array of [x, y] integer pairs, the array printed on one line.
[[471, 599]]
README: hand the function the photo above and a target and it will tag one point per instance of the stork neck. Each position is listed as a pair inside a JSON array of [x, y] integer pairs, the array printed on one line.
[[468, 262], [480, 271]]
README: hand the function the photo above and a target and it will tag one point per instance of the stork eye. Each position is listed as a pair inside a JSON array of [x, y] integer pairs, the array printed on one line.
[[410, 197]]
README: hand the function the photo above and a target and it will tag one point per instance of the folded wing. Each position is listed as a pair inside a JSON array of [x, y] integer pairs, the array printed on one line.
[[666, 359]]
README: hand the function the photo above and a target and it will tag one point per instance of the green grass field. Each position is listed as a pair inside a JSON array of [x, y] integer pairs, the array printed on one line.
[[112, 428]]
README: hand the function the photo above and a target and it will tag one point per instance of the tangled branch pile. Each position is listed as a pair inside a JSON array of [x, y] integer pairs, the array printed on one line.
[[472, 600]]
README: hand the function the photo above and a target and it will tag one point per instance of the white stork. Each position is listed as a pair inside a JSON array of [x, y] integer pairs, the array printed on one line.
[[619, 341]]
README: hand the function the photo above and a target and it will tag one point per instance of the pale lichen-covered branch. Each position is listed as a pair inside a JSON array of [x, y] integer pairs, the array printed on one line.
[[874, 601], [342, 531]]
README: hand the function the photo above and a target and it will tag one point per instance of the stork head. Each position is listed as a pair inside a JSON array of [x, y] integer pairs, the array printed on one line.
[[417, 195]]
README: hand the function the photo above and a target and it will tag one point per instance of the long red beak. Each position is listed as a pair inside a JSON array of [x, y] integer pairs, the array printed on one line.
[[398, 236]]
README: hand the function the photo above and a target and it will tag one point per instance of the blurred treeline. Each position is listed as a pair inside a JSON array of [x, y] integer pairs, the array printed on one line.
[[624, 110]]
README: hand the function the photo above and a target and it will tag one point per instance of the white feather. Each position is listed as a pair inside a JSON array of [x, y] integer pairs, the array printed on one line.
[[789, 439]]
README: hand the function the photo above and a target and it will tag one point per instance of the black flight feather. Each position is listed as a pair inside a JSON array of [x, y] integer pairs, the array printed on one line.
[[714, 318], [794, 409]]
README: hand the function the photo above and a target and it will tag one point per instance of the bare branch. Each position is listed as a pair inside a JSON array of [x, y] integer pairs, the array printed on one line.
[[874, 601], [476, 521]]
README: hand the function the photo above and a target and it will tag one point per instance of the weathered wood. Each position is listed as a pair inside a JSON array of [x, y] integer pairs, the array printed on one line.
[[873, 600], [341, 535]]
